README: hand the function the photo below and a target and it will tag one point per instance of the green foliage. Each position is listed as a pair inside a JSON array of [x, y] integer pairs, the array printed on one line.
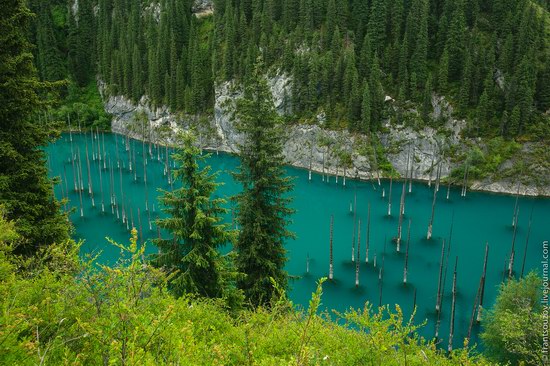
[[366, 109], [125, 315], [262, 206], [485, 163], [191, 254], [512, 331], [81, 40], [84, 107], [25, 190], [328, 47]]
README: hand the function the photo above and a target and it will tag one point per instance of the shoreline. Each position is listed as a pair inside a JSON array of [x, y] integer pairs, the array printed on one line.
[[498, 188]]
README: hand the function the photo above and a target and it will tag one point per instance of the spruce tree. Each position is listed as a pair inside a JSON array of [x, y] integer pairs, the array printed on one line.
[[525, 90], [49, 59], [443, 80], [330, 23], [354, 104], [365, 109], [484, 110], [466, 84], [377, 25], [543, 87], [427, 100], [81, 43], [456, 44], [262, 206], [25, 190], [365, 57], [512, 127], [137, 78], [418, 62], [377, 94], [195, 226], [403, 73]]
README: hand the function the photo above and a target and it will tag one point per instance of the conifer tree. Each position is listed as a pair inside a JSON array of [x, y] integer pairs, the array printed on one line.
[[377, 25], [262, 206], [49, 59], [513, 123], [195, 225], [418, 62], [137, 79], [403, 73], [366, 109], [365, 57], [525, 91], [377, 94], [25, 191], [331, 23], [456, 42], [483, 109], [427, 100], [466, 84], [543, 87], [354, 103], [230, 42], [81, 42], [172, 91], [443, 80], [180, 87]]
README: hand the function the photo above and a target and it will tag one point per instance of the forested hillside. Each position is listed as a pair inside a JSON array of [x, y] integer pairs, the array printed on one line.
[[189, 304], [491, 59]]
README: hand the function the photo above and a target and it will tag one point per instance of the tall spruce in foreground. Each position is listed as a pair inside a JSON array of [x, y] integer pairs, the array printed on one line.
[[25, 190], [194, 223], [263, 203]]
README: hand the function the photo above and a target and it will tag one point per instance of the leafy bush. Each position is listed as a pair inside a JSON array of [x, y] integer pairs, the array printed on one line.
[[84, 107], [90, 314], [513, 328]]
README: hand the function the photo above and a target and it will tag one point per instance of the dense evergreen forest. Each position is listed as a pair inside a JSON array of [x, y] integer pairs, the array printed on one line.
[[189, 304], [491, 59]]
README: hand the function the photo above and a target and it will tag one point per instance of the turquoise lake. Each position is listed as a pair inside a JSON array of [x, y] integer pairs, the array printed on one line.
[[478, 218]]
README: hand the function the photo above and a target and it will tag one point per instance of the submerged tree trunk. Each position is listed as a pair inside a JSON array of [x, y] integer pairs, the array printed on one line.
[[453, 307], [331, 266]]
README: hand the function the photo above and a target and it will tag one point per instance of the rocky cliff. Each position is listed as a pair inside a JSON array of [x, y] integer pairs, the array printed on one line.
[[310, 146]]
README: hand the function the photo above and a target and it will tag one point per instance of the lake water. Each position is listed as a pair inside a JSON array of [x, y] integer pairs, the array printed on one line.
[[478, 218]]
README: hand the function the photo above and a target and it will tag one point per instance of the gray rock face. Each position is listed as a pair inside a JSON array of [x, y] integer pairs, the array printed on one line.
[[510, 188], [203, 7], [334, 153], [281, 89], [225, 101]]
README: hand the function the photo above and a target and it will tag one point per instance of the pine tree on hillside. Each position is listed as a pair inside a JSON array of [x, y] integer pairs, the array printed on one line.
[[262, 211], [543, 87], [49, 61], [194, 224], [377, 95], [456, 44], [418, 63], [366, 110], [81, 41], [443, 80], [377, 25], [25, 190], [427, 100], [162, 50]]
